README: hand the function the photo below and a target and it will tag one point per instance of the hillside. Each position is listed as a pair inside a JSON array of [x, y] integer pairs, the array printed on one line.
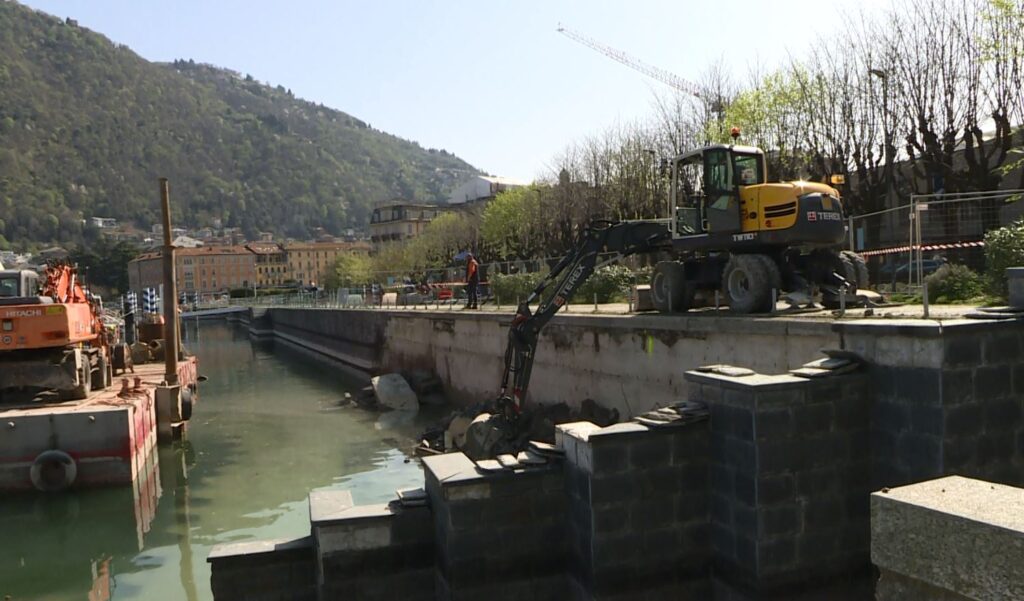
[[86, 127]]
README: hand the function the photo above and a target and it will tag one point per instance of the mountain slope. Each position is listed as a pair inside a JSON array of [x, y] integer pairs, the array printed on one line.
[[86, 127]]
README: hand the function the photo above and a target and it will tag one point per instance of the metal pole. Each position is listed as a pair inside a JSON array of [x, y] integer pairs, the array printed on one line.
[[850, 226], [920, 250], [170, 294], [910, 238]]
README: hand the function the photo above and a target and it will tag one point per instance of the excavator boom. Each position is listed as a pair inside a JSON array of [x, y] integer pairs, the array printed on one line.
[[620, 239]]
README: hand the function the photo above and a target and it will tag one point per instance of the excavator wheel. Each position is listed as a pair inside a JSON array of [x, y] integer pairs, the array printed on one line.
[[775, 277], [84, 384], [747, 282], [102, 376], [670, 292], [860, 268]]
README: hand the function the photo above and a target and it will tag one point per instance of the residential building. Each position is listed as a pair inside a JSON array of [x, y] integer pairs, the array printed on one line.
[[271, 263], [399, 220], [204, 270], [104, 222], [481, 188], [310, 262]]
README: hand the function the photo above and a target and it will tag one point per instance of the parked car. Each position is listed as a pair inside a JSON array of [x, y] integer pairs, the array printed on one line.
[[928, 267]]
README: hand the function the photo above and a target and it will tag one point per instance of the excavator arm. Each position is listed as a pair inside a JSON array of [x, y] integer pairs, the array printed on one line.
[[622, 239]]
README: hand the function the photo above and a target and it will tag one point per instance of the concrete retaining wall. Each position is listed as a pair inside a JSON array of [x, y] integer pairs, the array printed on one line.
[[632, 362], [951, 539]]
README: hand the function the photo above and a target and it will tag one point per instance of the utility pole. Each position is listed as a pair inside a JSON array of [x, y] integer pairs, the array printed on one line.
[[170, 294]]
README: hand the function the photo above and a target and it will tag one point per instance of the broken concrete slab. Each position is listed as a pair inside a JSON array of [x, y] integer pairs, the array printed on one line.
[[394, 392]]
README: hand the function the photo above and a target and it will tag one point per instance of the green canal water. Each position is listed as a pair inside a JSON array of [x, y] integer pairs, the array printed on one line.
[[266, 432]]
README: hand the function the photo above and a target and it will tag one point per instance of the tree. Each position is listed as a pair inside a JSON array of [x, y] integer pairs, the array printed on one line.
[[512, 223], [349, 270]]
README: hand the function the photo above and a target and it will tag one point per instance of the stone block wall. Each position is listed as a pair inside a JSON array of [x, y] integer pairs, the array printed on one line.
[[369, 552], [948, 398], [498, 536], [789, 484], [266, 570], [638, 510]]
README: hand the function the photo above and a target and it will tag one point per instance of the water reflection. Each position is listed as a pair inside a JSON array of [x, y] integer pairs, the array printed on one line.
[[266, 432]]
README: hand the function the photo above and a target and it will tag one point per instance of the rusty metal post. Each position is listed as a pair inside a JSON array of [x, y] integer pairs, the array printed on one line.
[[170, 293]]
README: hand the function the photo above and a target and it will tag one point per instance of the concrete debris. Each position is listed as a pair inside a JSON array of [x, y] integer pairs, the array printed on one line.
[[727, 370], [538, 447], [836, 362], [830, 363], [394, 392], [508, 461], [531, 458], [455, 435], [684, 412], [482, 437], [489, 465], [480, 433], [810, 372], [412, 497]]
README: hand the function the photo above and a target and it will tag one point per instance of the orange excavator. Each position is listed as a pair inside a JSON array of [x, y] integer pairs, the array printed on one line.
[[52, 336]]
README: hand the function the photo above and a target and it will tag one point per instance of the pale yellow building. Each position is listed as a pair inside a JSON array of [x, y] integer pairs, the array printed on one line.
[[271, 263], [400, 220], [310, 262]]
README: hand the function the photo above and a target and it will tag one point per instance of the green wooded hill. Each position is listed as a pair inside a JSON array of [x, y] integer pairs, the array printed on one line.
[[86, 127]]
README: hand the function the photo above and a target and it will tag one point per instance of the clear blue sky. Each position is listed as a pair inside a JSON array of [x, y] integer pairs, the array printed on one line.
[[489, 80]]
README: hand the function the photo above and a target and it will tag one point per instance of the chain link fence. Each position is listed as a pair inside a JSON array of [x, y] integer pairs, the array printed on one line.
[[905, 244]]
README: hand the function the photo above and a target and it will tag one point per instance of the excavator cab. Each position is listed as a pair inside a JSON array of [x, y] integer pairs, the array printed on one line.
[[706, 183], [17, 285]]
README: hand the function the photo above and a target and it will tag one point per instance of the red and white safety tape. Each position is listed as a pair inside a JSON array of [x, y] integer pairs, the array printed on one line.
[[926, 247]]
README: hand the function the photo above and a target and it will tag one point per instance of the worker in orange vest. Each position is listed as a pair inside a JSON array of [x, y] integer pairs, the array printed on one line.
[[472, 280]]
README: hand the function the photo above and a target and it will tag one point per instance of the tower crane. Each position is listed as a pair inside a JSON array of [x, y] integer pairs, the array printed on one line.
[[665, 77]]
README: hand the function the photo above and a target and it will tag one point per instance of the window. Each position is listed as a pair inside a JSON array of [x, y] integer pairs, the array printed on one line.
[[9, 286], [748, 169]]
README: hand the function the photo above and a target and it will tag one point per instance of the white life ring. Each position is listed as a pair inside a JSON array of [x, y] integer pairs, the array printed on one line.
[[53, 471]]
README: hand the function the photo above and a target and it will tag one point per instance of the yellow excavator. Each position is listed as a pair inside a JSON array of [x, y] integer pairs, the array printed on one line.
[[733, 231]]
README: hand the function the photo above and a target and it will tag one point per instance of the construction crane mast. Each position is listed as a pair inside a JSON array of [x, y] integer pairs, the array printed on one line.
[[665, 77]]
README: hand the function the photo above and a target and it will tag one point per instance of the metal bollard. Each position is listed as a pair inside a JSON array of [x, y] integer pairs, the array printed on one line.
[[924, 298], [595, 302], [842, 300], [716, 300], [775, 300]]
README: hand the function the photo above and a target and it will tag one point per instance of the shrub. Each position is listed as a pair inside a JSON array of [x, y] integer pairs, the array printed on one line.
[[1004, 247], [508, 288], [609, 283], [953, 283]]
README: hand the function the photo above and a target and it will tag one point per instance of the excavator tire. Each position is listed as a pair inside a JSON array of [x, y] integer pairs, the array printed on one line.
[[102, 376], [747, 283], [775, 277], [670, 292], [85, 384], [860, 266]]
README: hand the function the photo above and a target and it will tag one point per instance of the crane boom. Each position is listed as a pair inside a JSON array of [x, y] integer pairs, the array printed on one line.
[[665, 77]]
